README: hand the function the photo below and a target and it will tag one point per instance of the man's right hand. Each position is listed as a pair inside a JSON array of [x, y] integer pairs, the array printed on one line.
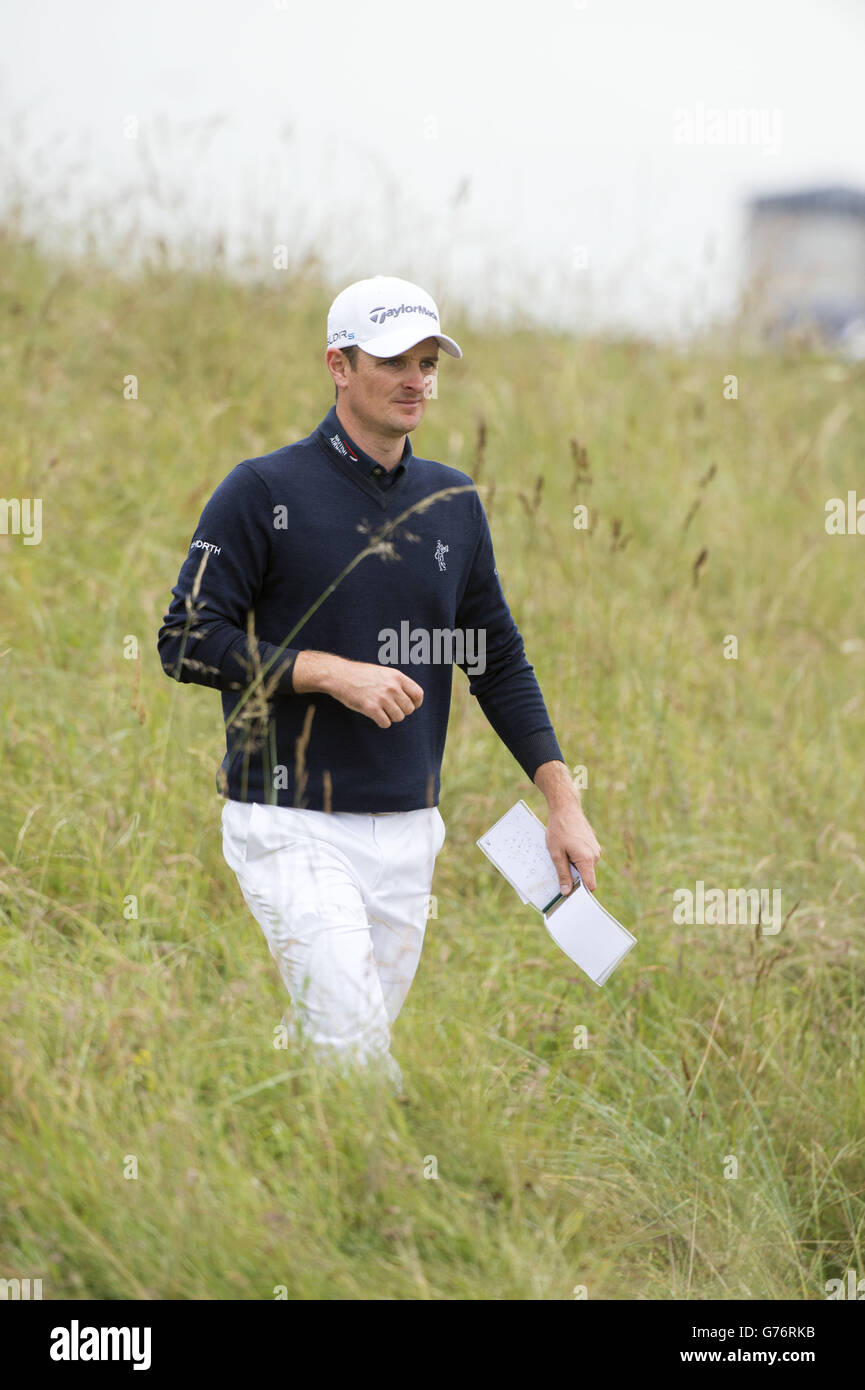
[[382, 693]]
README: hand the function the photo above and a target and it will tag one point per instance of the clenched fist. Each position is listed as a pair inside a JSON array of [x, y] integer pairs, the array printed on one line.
[[382, 693]]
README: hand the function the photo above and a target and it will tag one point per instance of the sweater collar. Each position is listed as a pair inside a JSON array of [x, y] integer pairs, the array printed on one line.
[[341, 446]]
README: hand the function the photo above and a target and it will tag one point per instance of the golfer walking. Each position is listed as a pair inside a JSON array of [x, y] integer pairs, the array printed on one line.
[[329, 588]]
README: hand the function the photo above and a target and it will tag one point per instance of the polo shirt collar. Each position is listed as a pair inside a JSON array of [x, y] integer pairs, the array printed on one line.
[[341, 446]]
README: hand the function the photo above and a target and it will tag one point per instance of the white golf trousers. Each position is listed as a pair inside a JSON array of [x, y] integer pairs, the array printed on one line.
[[343, 900]]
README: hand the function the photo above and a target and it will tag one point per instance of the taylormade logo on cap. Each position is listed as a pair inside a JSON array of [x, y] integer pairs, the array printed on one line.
[[385, 316], [381, 313]]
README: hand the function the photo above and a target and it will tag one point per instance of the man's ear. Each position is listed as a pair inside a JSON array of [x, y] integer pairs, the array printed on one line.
[[337, 365]]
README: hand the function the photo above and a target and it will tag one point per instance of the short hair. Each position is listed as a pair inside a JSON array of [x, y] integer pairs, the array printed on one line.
[[350, 354]]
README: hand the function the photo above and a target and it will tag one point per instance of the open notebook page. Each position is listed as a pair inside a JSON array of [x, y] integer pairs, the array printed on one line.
[[578, 924]]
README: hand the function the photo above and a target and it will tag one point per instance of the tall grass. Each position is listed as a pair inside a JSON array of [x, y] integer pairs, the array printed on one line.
[[146, 1041]]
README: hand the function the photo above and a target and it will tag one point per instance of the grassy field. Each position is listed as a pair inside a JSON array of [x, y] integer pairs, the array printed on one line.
[[144, 1044]]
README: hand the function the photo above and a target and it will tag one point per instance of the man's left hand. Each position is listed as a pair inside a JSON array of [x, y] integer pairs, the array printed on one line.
[[571, 840]]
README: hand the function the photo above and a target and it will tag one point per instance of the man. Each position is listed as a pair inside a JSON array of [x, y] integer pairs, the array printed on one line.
[[316, 574]]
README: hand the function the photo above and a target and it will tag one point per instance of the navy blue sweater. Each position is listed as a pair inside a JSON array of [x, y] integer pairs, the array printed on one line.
[[277, 532]]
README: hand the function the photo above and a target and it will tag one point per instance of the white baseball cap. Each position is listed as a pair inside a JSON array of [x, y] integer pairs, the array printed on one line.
[[384, 316]]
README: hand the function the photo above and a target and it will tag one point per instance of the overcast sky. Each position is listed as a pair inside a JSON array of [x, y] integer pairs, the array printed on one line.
[[579, 159]]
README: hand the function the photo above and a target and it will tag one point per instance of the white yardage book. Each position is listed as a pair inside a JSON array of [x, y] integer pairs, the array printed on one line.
[[584, 930]]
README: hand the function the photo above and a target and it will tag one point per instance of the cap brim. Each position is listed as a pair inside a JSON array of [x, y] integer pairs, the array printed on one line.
[[391, 344]]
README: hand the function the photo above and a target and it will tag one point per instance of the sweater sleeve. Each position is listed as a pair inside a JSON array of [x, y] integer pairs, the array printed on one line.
[[203, 637], [503, 682]]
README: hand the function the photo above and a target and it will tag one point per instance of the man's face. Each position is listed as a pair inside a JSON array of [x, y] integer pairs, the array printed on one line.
[[389, 394]]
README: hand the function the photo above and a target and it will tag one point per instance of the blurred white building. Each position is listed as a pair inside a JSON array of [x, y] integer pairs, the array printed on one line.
[[806, 265]]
